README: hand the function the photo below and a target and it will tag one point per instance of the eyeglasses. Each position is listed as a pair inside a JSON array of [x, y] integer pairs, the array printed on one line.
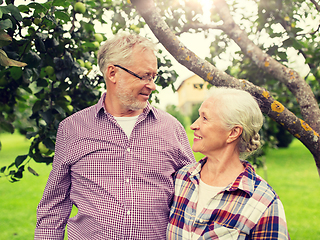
[[144, 78]]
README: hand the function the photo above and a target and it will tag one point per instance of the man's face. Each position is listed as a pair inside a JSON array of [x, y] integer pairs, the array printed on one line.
[[133, 93]]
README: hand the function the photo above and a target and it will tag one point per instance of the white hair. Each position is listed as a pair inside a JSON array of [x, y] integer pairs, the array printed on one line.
[[238, 107], [118, 50]]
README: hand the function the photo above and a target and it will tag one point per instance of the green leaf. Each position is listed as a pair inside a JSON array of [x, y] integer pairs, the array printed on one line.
[[37, 106], [39, 158], [16, 72], [47, 116], [296, 44], [27, 89], [4, 10], [40, 45], [10, 166], [38, 7], [49, 143], [23, 8], [18, 174], [62, 16], [33, 171], [42, 82], [6, 126], [61, 3], [282, 55], [13, 179], [5, 24], [15, 12], [19, 160]]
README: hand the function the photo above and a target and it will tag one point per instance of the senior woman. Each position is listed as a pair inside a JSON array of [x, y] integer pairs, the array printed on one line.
[[221, 196]]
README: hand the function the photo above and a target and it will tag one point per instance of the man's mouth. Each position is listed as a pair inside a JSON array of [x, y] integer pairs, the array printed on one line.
[[145, 94]]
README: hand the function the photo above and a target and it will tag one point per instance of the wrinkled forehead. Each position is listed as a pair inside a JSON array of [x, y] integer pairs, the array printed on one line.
[[211, 106]]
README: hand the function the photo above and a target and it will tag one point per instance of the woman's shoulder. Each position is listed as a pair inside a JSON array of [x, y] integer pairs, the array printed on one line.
[[188, 170]]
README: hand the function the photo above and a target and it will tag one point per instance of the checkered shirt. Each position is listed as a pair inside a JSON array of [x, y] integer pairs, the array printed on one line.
[[123, 188], [248, 208]]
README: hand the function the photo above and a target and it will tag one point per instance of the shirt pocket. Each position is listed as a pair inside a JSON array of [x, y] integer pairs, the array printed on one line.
[[217, 231]]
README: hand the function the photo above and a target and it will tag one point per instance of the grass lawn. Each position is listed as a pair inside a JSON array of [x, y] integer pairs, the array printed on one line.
[[291, 172]]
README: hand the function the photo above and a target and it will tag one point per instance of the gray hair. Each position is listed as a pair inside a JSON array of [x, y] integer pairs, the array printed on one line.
[[118, 50], [238, 107]]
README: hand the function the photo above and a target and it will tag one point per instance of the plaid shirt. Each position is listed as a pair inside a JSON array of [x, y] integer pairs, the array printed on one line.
[[123, 188], [246, 209]]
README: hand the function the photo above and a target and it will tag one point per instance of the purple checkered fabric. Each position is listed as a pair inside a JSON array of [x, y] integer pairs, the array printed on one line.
[[122, 187], [246, 209]]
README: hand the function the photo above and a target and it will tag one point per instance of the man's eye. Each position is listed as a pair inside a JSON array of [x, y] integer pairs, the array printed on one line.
[[148, 75]]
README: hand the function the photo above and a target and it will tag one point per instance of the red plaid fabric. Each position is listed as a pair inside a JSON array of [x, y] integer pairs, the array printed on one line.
[[122, 187], [246, 209]]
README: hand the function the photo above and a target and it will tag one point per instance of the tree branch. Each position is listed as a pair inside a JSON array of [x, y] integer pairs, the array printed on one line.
[[295, 83], [316, 5], [297, 127]]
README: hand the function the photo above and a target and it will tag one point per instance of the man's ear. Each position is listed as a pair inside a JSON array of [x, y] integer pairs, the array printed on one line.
[[110, 73], [235, 133]]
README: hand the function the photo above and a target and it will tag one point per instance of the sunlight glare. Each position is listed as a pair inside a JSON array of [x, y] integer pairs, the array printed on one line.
[[206, 8]]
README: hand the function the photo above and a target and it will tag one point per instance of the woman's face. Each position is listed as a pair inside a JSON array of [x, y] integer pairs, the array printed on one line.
[[210, 136]]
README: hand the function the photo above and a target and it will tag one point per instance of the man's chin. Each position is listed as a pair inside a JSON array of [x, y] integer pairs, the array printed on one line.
[[138, 106]]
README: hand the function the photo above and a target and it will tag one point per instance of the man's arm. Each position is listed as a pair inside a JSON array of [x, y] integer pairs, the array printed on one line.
[[55, 206]]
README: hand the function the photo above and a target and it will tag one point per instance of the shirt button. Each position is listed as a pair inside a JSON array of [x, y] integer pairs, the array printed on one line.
[[128, 212], [127, 180], [128, 149]]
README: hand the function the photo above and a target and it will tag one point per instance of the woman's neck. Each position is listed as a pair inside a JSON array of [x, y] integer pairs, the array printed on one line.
[[220, 172]]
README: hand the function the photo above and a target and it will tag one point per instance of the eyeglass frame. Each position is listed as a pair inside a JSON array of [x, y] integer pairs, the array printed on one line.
[[155, 78]]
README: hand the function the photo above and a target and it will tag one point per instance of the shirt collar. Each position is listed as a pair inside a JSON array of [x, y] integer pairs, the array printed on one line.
[[245, 181], [100, 107]]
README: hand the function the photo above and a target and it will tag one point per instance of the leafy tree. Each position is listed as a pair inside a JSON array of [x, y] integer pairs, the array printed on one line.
[[57, 35], [174, 111], [195, 112], [48, 67]]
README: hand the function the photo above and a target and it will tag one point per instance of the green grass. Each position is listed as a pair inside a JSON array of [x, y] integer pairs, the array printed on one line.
[[18, 201], [293, 175], [291, 172]]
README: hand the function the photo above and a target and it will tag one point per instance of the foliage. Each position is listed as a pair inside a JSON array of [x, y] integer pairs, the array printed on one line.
[[195, 112], [174, 111], [48, 67]]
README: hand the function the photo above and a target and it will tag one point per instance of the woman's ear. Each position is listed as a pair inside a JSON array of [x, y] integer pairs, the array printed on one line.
[[110, 73], [235, 133]]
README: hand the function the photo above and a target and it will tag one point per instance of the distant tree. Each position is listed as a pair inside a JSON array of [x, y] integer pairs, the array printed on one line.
[[174, 111], [195, 112]]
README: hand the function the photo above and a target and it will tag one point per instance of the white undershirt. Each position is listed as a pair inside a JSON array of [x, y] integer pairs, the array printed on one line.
[[206, 192], [127, 123]]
